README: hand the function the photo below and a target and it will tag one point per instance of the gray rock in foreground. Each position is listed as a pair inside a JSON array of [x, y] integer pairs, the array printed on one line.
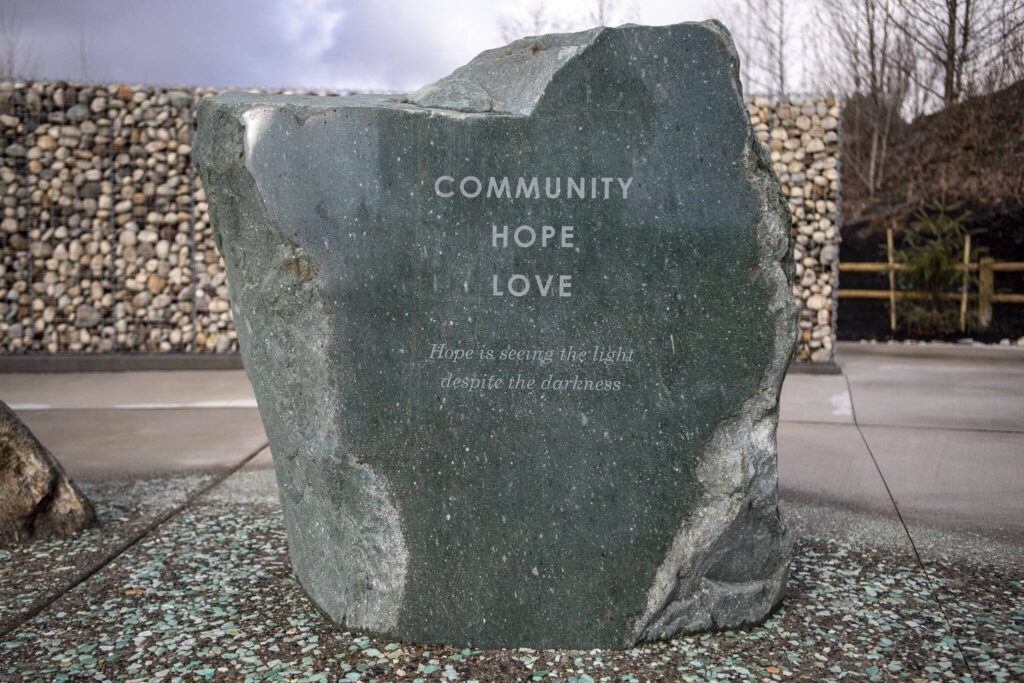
[[37, 500], [618, 501]]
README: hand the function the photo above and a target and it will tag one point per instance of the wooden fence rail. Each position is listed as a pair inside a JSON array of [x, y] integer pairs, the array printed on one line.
[[986, 268]]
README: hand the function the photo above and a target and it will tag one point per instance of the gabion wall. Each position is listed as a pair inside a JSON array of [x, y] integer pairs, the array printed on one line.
[[107, 244], [803, 138]]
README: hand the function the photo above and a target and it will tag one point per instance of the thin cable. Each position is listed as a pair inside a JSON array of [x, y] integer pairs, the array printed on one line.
[[906, 529], [88, 572]]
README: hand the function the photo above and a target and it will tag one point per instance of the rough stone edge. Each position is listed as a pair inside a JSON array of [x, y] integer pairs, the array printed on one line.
[[50, 516], [741, 452], [374, 608], [462, 91]]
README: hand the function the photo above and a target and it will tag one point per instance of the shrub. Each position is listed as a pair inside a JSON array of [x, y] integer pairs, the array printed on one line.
[[932, 254]]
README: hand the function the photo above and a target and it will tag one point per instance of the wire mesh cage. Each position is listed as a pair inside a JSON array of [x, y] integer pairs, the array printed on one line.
[[107, 245]]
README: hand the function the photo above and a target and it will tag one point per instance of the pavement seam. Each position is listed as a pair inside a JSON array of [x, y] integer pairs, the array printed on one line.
[[87, 573], [924, 428], [906, 530]]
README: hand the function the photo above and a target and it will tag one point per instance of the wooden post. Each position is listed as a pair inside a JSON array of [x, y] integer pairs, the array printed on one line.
[[986, 286], [963, 288], [892, 280]]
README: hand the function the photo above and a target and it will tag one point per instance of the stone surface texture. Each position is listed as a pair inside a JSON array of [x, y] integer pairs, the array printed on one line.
[[37, 499], [106, 235], [534, 518]]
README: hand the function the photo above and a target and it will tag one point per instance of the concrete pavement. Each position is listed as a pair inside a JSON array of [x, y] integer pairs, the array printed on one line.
[[139, 423], [944, 433]]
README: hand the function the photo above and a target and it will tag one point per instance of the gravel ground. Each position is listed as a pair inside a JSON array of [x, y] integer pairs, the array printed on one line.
[[209, 595], [30, 572]]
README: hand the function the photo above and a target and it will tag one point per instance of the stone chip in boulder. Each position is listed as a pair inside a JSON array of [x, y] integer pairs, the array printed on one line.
[[37, 499]]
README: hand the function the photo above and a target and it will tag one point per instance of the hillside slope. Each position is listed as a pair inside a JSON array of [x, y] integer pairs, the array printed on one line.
[[972, 153]]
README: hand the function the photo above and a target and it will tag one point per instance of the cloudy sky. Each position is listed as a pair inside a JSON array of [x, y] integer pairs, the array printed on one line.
[[390, 45]]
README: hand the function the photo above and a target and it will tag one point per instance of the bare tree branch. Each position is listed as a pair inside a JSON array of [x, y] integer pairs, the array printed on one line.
[[763, 30], [965, 40], [17, 56], [537, 19], [865, 56]]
